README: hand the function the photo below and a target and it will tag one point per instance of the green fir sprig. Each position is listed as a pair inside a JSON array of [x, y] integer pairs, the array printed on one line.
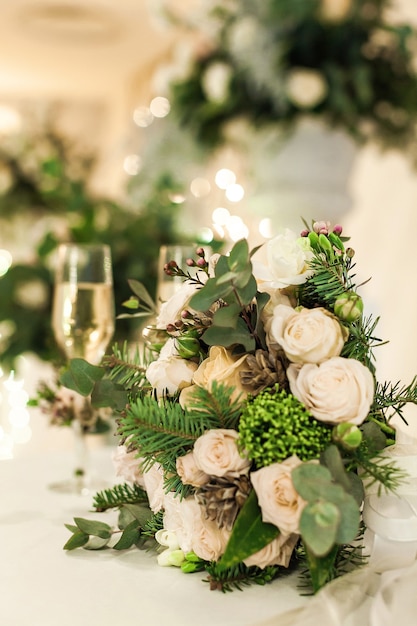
[[119, 495], [239, 576]]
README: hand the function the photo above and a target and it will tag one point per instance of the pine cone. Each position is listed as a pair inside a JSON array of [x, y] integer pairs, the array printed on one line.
[[266, 370], [223, 497]]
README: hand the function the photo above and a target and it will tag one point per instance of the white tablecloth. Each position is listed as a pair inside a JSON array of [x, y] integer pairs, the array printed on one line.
[[43, 585]]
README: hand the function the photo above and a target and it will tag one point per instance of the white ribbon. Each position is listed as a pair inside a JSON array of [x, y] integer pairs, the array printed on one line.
[[391, 519]]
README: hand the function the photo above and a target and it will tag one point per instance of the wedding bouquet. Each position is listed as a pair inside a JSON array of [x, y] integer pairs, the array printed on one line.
[[254, 421]]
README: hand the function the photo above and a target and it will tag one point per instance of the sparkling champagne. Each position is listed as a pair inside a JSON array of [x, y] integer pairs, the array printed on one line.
[[83, 319]]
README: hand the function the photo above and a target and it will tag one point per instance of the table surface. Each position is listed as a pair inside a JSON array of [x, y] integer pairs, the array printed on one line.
[[43, 584]]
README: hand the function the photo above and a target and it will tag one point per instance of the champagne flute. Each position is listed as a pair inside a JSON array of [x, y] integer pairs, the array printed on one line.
[[83, 303], [83, 325]]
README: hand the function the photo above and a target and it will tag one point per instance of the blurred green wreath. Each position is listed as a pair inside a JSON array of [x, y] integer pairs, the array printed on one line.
[[44, 200], [274, 62]]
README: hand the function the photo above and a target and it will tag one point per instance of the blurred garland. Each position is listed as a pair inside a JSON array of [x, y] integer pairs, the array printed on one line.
[[44, 200], [273, 62]]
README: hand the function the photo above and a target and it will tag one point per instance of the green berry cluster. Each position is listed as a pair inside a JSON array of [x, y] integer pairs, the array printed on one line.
[[275, 426]]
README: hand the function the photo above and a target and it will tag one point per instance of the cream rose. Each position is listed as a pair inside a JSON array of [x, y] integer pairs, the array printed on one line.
[[153, 480], [338, 390], [278, 552], [186, 518], [188, 471], [170, 373], [170, 310], [216, 453], [127, 465], [308, 335], [222, 367], [288, 258], [279, 502]]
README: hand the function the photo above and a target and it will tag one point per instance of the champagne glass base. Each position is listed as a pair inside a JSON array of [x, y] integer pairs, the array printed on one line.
[[79, 485]]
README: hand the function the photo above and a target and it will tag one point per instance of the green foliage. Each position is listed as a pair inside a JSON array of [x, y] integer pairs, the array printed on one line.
[[275, 425], [89, 534], [119, 495], [55, 190], [238, 576], [81, 376], [330, 518], [358, 73], [390, 398], [215, 406], [235, 323], [249, 534]]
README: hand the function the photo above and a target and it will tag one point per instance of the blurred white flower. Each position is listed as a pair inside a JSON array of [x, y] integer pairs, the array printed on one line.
[[216, 81], [305, 87], [335, 10]]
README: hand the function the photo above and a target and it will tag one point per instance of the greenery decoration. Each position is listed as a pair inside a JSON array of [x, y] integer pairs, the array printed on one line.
[[271, 63], [209, 438], [45, 181]]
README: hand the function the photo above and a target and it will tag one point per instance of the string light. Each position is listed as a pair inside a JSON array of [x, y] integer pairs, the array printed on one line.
[[160, 106], [13, 401]]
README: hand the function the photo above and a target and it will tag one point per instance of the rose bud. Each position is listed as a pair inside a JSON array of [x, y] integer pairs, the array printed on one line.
[[347, 435], [348, 307], [187, 347]]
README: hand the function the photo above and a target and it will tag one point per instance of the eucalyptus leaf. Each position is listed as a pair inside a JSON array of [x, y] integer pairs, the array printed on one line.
[[227, 316], [92, 527], [239, 256], [207, 295], [141, 513], [77, 540], [129, 537], [332, 459], [81, 376], [107, 394], [375, 438], [227, 336], [142, 293], [247, 292], [249, 534], [319, 523], [311, 481]]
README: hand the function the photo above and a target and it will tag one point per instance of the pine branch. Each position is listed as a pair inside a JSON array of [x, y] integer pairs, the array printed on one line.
[[119, 495], [127, 369], [151, 527], [330, 280], [378, 469], [362, 341], [390, 398], [215, 406], [239, 575]]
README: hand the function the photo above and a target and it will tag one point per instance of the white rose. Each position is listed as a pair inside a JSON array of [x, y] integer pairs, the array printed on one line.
[[307, 335], [186, 518], [153, 480], [338, 390], [288, 258], [306, 87], [171, 310], [127, 465], [279, 502], [188, 471], [216, 453], [171, 374], [278, 552]]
